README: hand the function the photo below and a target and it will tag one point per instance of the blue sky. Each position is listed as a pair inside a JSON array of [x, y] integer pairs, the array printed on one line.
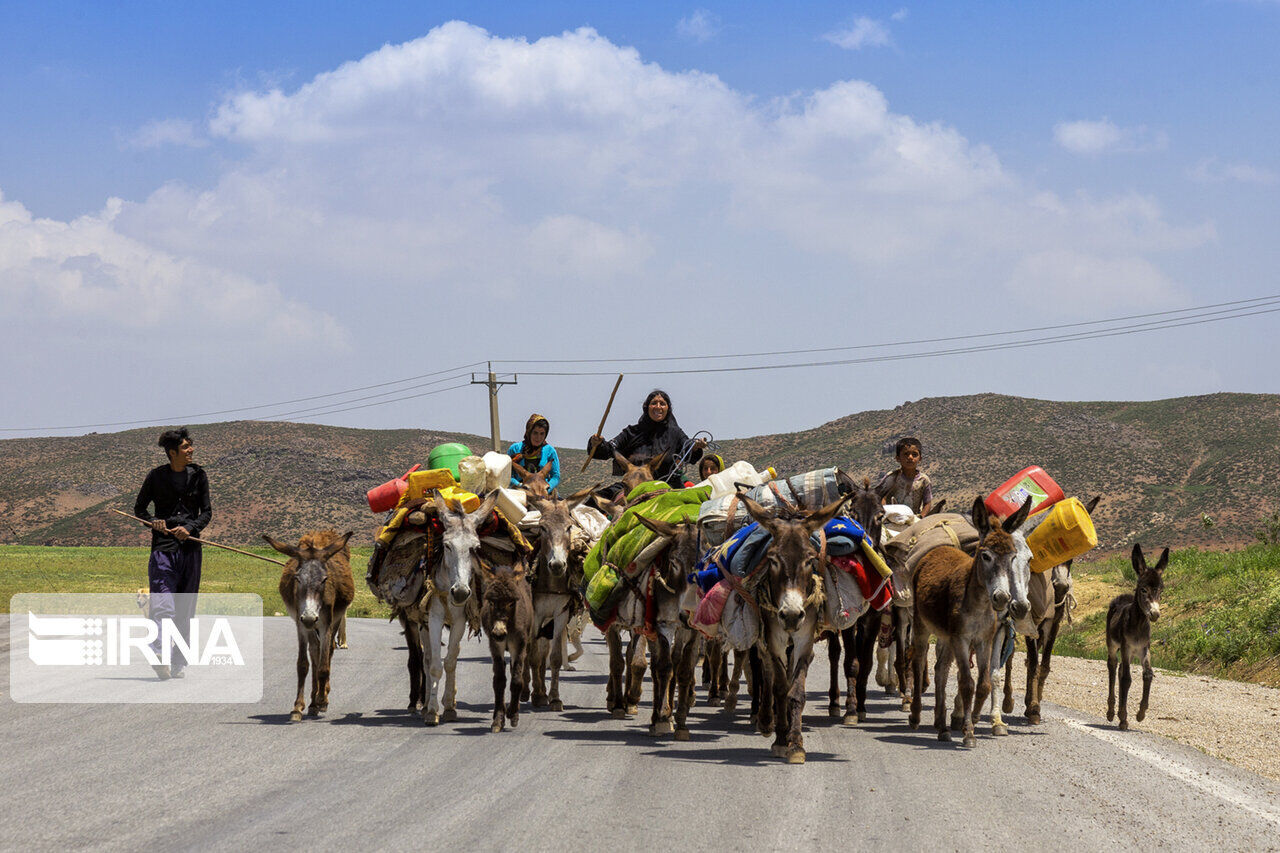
[[211, 206]]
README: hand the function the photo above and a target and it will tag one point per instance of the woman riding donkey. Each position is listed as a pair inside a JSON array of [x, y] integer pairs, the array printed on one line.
[[533, 455], [656, 433]]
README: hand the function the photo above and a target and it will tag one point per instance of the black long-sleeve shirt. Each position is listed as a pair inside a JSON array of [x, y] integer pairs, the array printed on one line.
[[181, 498], [639, 442]]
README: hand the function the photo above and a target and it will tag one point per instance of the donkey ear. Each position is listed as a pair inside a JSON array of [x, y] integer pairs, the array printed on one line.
[[518, 570], [334, 548], [520, 471], [656, 462], [759, 513], [581, 495], [1162, 562], [486, 506], [287, 550], [443, 507], [662, 528], [1135, 556], [819, 519], [1092, 504], [937, 507], [1014, 521], [546, 471], [981, 519]]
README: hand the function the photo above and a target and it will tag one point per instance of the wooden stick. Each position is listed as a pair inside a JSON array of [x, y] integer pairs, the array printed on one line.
[[207, 542], [600, 428]]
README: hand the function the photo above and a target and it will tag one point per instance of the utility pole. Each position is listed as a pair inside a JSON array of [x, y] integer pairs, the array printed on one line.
[[494, 382]]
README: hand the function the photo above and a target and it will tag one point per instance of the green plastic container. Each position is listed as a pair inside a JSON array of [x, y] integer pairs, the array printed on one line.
[[448, 456]]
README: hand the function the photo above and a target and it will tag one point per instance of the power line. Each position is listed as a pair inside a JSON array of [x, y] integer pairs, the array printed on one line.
[[192, 417], [385, 402], [1255, 302], [1170, 323], [318, 409]]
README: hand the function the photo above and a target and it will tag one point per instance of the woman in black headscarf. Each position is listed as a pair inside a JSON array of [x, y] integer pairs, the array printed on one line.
[[656, 432]]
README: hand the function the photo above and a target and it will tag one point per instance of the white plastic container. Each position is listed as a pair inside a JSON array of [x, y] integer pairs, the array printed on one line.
[[472, 475], [511, 503], [498, 468], [725, 483]]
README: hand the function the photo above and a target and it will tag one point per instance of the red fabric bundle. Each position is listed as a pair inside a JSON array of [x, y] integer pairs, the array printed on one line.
[[875, 589], [710, 609]]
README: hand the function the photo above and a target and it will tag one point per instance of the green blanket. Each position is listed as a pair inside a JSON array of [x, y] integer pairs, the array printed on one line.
[[627, 537]]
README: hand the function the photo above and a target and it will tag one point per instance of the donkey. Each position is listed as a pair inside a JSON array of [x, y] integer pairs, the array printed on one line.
[[636, 474], [788, 596], [506, 613], [1006, 633], [317, 589], [533, 482], [677, 646], [858, 641], [448, 597], [1044, 633], [557, 575], [956, 598], [1129, 621]]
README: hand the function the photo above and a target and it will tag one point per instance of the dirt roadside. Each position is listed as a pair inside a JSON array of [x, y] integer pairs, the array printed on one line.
[[1231, 720]]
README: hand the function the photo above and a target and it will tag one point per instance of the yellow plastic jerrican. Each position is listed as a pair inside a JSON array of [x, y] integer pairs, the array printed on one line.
[[455, 495], [1067, 533], [421, 482]]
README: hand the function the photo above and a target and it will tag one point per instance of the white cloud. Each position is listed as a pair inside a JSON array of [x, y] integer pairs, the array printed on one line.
[[1063, 280], [900, 15], [701, 26], [863, 32], [170, 131], [1103, 135], [1211, 170]]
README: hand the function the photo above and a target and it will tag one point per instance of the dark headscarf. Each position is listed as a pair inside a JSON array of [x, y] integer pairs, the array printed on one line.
[[528, 451], [647, 424]]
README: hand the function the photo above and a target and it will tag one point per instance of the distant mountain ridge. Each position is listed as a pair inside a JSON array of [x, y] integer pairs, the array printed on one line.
[[1161, 466]]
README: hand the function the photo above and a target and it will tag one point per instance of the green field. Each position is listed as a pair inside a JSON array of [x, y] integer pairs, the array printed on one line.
[[1219, 614], [33, 568]]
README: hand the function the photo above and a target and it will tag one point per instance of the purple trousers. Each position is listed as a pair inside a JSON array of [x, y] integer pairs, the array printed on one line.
[[174, 573]]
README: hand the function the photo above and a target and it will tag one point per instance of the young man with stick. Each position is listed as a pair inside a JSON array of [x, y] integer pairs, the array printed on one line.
[[180, 493]]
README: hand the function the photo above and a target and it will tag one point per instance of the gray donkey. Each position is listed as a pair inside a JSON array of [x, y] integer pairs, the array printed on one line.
[[1129, 621]]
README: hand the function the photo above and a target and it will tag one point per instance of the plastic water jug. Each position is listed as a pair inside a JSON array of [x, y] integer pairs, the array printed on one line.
[[421, 482], [447, 456], [498, 471], [1030, 482], [1066, 533], [511, 503], [725, 482], [385, 497]]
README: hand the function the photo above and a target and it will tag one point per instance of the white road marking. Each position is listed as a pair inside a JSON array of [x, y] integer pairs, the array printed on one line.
[[1219, 788]]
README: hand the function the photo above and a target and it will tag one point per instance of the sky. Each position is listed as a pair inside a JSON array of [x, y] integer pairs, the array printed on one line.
[[337, 212]]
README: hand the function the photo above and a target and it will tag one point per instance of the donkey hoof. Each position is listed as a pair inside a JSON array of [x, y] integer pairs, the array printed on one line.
[[1033, 718], [539, 701], [496, 727], [632, 710], [449, 715], [834, 711], [295, 717], [662, 727], [682, 734], [557, 705], [957, 722], [515, 720], [795, 756], [970, 741], [524, 695], [944, 736], [999, 729], [780, 750], [1007, 706], [430, 718], [1141, 715], [618, 713], [850, 719], [1124, 725], [714, 702]]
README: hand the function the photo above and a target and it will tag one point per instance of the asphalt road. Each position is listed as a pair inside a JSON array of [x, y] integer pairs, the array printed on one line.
[[370, 775]]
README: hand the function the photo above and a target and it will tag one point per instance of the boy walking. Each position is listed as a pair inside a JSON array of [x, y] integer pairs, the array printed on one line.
[[908, 484], [180, 493]]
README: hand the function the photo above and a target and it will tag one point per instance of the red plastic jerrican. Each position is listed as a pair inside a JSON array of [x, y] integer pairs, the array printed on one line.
[[385, 497], [1032, 482]]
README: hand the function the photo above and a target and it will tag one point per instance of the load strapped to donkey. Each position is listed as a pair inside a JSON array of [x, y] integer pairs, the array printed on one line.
[[411, 542]]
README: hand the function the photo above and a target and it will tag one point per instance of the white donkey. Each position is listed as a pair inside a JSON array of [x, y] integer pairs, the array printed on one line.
[[446, 604]]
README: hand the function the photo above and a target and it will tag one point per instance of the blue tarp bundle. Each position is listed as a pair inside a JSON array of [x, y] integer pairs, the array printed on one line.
[[741, 553]]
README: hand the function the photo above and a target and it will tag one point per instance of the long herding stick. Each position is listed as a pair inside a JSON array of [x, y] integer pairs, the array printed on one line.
[[600, 429], [207, 542]]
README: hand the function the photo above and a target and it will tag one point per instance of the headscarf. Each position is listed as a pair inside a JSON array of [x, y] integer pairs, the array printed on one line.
[[527, 450], [647, 424]]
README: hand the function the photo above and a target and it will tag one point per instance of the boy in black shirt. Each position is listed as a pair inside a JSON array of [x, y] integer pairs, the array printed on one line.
[[180, 493]]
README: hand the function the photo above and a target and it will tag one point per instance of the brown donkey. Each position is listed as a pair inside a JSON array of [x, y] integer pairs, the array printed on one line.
[[506, 613], [317, 588], [956, 598], [1129, 621]]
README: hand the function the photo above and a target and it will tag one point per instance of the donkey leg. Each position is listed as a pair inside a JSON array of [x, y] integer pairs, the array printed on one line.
[[941, 668], [519, 658], [864, 638], [735, 678], [833, 660], [722, 673], [883, 678], [499, 686], [313, 648], [299, 704], [975, 696], [558, 645], [660, 722], [456, 628], [1148, 675], [536, 672], [1112, 662], [636, 667], [327, 640], [901, 643], [1046, 657], [1007, 704], [615, 703], [414, 642], [688, 644], [761, 682], [919, 653], [801, 657], [1126, 680], [434, 661], [1031, 702], [780, 682]]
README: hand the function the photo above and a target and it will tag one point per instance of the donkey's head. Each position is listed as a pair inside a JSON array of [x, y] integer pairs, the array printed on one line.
[[533, 482], [506, 603], [633, 475], [864, 505], [461, 545], [555, 529], [310, 574], [1150, 582], [995, 555], [791, 559]]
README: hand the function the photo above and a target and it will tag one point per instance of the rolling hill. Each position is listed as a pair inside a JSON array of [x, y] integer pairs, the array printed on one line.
[[1162, 466]]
